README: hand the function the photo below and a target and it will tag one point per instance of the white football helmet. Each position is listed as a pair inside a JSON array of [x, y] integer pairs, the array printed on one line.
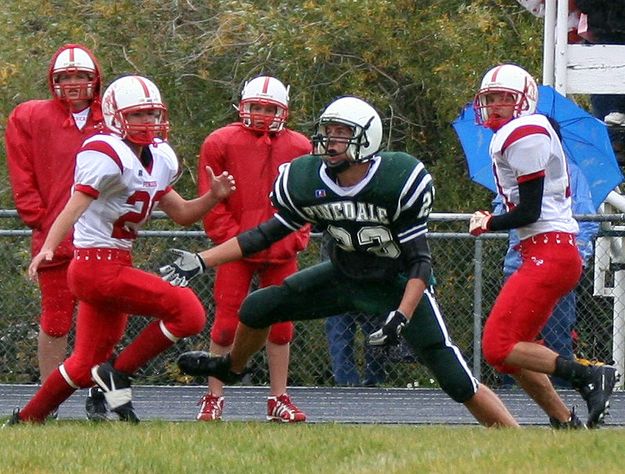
[[73, 58], [507, 78], [130, 94], [364, 121], [264, 90]]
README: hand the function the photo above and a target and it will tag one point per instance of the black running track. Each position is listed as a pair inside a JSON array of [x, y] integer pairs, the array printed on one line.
[[321, 404]]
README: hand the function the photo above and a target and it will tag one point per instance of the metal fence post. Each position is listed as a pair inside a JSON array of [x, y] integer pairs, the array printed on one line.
[[618, 328], [477, 310]]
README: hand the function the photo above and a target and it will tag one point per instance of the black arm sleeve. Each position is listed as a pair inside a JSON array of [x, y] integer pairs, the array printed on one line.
[[528, 210], [262, 236], [418, 259]]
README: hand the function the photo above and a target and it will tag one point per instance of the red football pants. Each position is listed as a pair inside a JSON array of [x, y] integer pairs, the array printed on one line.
[[108, 291], [232, 285], [551, 268], [57, 302]]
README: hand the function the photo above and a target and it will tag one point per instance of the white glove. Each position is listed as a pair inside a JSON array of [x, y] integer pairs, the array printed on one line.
[[388, 334], [479, 222], [187, 266]]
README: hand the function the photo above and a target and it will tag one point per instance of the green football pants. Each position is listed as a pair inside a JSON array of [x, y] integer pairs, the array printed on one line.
[[321, 291]]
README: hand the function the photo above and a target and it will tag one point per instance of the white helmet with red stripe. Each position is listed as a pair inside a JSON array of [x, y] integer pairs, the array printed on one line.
[[510, 79], [130, 94], [70, 59], [264, 90]]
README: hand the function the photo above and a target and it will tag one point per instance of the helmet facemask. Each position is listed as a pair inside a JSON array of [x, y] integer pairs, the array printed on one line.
[[513, 81], [143, 133], [65, 90], [263, 122], [264, 91], [134, 94], [365, 124], [354, 144], [482, 108], [74, 60]]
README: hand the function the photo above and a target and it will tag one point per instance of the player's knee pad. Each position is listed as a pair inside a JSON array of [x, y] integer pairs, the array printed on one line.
[[459, 391], [495, 348], [194, 315], [281, 333], [450, 370], [224, 327], [189, 315], [56, 323], [258, 311]]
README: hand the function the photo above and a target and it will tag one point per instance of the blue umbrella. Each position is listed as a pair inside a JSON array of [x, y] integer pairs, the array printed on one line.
[[584, 138]]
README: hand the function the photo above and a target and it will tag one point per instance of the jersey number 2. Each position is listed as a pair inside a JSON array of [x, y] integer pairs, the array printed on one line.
[[125, 227], [376, 240]]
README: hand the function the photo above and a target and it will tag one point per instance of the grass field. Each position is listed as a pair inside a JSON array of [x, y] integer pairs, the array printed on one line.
[[239, 447]]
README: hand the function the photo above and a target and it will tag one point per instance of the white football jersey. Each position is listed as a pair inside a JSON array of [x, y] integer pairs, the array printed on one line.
[[125, 191], [527, 148]]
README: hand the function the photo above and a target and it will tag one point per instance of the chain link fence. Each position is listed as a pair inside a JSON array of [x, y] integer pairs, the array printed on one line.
[[468, 272]]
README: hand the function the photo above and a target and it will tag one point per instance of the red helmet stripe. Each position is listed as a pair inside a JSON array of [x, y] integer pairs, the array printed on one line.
[[71, 55], [266, 85], [146, 91], [495, 72]]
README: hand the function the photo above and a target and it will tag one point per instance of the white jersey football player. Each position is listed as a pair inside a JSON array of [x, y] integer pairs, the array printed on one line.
[[531, 175], [120, 177], [531, 147], [118, 211]]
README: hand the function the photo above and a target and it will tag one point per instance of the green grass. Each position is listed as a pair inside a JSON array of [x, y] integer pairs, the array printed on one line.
[[237, 447]]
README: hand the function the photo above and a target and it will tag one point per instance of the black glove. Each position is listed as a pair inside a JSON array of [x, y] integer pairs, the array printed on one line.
[[388, 334], [187, 266]]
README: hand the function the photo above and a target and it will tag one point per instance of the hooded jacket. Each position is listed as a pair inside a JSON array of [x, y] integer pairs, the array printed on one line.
[[41, 144]]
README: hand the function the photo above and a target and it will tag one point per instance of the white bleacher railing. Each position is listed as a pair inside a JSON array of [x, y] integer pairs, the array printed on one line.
[[592, 69]]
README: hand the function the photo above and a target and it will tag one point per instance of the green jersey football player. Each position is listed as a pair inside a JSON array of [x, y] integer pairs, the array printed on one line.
[[375, 205]]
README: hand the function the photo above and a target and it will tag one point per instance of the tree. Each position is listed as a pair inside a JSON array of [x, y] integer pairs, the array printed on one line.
[[418, 62]]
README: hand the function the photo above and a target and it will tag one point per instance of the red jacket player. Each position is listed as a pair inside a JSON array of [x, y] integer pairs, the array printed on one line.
[[42, 138], [252, 150]]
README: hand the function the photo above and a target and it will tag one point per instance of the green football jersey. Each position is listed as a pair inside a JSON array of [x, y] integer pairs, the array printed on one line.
[[390, 206]]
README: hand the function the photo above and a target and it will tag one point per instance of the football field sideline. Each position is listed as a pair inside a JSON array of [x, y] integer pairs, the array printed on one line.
[[321, 404]]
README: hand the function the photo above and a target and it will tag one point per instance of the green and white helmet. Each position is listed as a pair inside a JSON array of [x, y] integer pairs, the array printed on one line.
[[364, 121]]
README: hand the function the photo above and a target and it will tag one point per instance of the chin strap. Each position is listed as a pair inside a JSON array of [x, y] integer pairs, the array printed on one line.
[[496, 123]]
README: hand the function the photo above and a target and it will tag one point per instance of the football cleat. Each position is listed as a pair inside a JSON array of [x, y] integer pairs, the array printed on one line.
[[127, 413], [587, 362], [95, 405], [573, 423], [282, 409], [597, 393], [117, 391], [202, 363], [14, 419], [211, 408]]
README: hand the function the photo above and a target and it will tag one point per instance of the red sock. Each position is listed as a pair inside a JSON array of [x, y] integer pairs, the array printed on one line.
[[144, 348], [54, 391]]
